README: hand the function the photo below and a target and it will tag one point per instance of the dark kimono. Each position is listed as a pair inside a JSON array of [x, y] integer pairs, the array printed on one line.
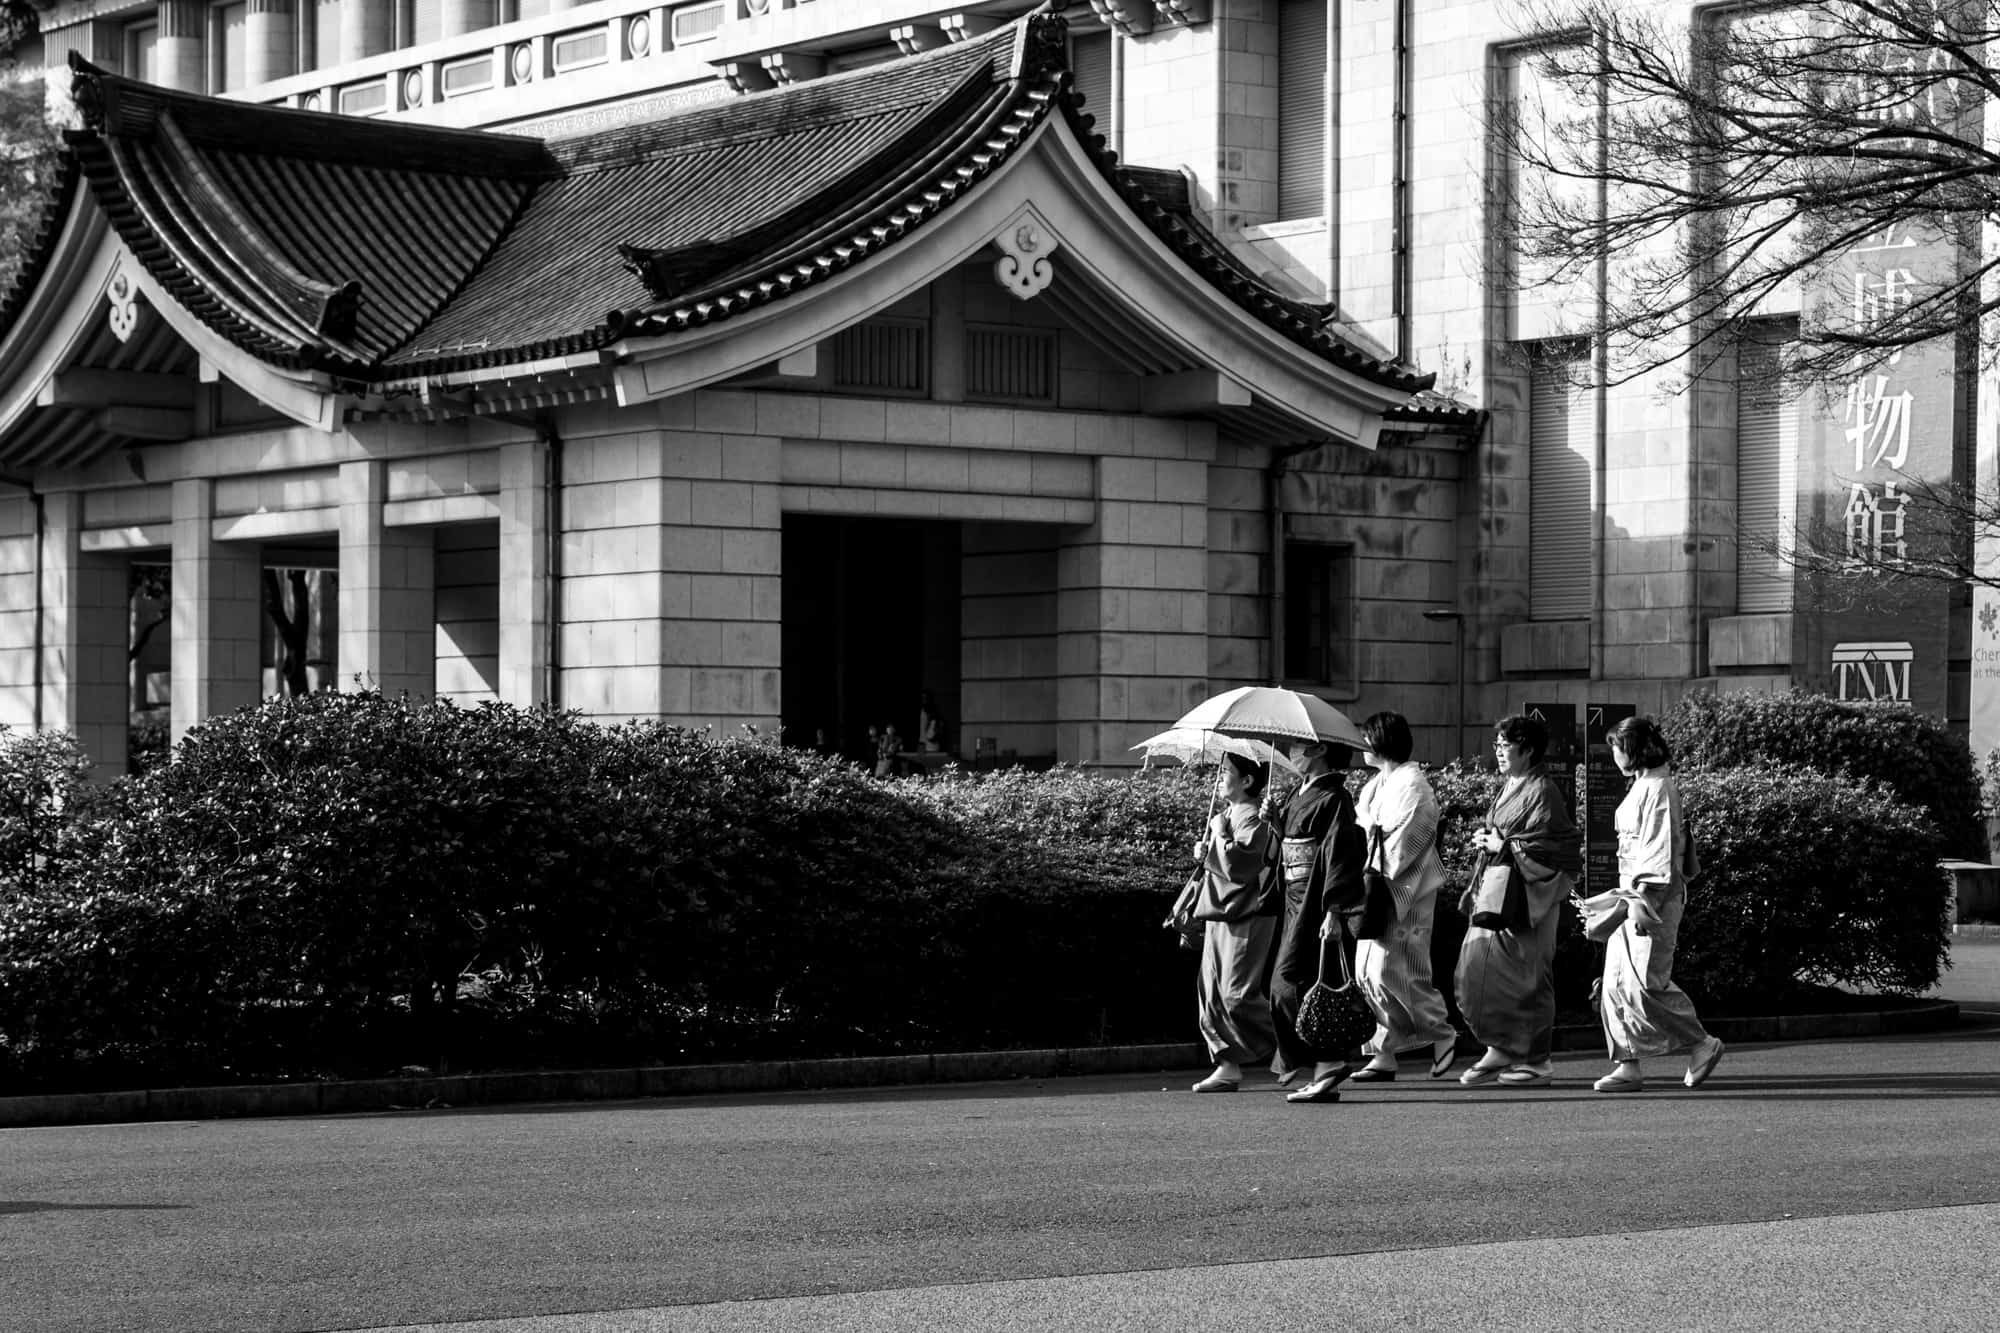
[[1322, 854], [1506, 978]]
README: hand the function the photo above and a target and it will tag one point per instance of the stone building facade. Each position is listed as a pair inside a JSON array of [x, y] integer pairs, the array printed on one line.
[[1207, 367]]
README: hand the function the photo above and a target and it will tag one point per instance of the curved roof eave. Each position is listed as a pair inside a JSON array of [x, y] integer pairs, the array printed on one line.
[[1055, 181]]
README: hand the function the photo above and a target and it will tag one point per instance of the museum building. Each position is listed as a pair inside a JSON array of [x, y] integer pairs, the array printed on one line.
[[745, 362]]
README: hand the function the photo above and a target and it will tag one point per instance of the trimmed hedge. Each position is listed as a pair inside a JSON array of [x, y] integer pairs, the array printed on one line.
[[1916, 757], [340, 884]]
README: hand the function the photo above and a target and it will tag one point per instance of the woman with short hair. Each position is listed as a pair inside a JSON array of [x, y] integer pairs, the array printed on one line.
[[1644, 1012], [1238, 899], [1506, 972], [1398, 813]]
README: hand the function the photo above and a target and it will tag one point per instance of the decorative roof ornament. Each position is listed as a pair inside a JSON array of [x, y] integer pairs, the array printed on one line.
[[1128, 18], [123, 298], [1023, 267], [1184, 13]]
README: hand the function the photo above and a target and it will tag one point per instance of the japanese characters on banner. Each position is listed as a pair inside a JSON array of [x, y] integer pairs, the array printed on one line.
[[1885, 427]]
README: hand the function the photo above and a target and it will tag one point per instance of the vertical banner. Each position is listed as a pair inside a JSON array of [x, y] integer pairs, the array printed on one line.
[[1564, 753], [1882, 433], [1604, 788]]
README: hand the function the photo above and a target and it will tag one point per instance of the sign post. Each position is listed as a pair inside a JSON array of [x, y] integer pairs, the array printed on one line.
[[1604, 788], [1564, 754]]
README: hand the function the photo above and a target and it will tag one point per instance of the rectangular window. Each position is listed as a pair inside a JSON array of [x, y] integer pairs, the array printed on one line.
[[1015, 365], [890, 356], [1302, 108], [696, 23], [1090, 67], [1561, 431], [471, 75], [1767, 471], [580, 49], [364, 99], [1319, 613]]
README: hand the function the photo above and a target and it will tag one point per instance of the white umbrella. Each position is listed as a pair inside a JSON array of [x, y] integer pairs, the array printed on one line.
[[1193, 745], [1272, 714]]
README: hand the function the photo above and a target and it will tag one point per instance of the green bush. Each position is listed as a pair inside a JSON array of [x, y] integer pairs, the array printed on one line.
[[341, 884], [1914, 756], [1810, 878]]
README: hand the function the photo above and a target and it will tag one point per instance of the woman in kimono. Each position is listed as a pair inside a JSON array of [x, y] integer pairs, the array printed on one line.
[[1644, 1012], [1320, 853], [1238, 899], [1398, 814], [1506, 976]]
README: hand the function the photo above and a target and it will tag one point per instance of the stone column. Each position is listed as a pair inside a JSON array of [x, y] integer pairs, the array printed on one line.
[[1132, 612], [367, 27], [83, 638], [270, 38], [183, 46], [524, 574], [463, 16], [218, 613], [388, 620]]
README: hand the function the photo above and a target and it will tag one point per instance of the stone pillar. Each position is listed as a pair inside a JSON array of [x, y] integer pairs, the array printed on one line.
[[671, 558], [367, 27], [183, 47], [218, 613], [463, 16], [83, 638], [524, 574], [270, 38], [1132, 611], [17, 609], [388, 621]]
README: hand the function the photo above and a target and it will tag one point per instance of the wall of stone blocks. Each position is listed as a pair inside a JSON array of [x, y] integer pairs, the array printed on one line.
[[1171, 115], [468, 612], [1239, 547], [670, 557], [1007, 620]]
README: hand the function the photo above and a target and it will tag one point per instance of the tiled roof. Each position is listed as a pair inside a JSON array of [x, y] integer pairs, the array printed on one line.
[[383, 251]]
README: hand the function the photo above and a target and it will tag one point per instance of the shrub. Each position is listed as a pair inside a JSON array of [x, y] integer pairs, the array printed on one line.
[[41, 782], [1914, 756], [1810, 878]]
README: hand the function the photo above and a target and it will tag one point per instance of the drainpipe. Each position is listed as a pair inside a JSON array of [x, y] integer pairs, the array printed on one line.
[[1114, 133], [1399, 187], [1600, 364], [41, 536], [545, 427], [1330, 205]]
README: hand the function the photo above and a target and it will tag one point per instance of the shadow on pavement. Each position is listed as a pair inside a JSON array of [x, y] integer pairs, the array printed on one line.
[[43, 1206]]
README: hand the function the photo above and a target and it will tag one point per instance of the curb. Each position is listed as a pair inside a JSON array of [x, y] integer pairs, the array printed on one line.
[[576, 1085]]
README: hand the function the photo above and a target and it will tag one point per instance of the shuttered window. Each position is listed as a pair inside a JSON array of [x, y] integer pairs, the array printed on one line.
[[1767, 476], [1302, 108], [1560, 433], [889, 356], [1090, 66]]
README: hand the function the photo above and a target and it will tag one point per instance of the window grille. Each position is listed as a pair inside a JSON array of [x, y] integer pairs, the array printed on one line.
[[1767, 475], [1010, 363], [1561, 434], [1302, 108], [884, 355]]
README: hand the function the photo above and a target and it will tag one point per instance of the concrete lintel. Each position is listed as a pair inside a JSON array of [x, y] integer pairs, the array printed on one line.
[[1190, 392], [92, 387], [283, 523]]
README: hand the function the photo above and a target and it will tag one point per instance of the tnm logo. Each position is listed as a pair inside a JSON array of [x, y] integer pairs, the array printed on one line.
[[1872, 670]]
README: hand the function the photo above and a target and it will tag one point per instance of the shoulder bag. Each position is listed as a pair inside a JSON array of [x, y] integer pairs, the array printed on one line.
[[1378, 900], [1499, 898]]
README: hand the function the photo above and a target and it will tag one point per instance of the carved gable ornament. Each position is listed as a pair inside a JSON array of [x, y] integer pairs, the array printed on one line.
[[1025, 244]]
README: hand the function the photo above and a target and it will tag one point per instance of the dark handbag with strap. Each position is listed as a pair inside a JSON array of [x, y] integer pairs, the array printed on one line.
[[1378, 900], [1334, 1020]]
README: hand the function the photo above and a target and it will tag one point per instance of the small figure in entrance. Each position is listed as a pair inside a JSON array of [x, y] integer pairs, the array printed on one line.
[[887, 746], [930, 735], [1644, 1012]]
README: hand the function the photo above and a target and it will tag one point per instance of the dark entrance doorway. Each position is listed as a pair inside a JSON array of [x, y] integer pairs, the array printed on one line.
[[871, 621]]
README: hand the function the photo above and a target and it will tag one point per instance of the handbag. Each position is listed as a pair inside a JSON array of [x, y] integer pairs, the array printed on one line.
[[1180, 917], [1499, 898], [1378, 900], [1335, 1019]]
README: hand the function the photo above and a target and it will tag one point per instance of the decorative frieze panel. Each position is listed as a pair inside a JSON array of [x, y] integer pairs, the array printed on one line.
[[1023, 268]]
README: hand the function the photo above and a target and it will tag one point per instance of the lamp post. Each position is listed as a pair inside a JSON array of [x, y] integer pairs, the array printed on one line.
[[1457, 620]]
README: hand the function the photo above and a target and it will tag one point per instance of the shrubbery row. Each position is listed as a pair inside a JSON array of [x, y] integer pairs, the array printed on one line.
[[343, 883]]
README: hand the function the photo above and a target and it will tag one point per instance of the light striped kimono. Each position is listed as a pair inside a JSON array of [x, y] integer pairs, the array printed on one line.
[[1395, 971]]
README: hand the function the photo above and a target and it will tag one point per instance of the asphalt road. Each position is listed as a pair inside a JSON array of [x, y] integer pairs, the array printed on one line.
[[1823, 1185]]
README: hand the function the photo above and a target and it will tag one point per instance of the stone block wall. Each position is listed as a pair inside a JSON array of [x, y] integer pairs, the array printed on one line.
[[1007, 620], [17, 610]]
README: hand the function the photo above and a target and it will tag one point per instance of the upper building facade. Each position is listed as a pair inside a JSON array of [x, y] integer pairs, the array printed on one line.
[[746, 363]]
